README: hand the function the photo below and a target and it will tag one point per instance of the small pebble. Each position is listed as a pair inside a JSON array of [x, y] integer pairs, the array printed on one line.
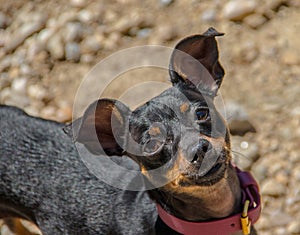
[[4, 80], [92, 44], [245, 153], [25, 69], [14, 72], [278, 217], [164, 33], [5, 63], [165, 2], [64, 114], [209, 15], [32, 110], [87, 58], [37, 92], [124, 25], [290, 57], [246, 52], [235, 110], [273, 4], [259, 171], [19, 57], [4, 37], [73, 32], [55, 47], [238, 119], [5, 94], [4, 21], [49, 112], [85, 16], [273, 188], [282, 177], [294, 227], [72, 51], [238, 9], [293, 3], [34, 52], [280, 231], [112, 41], [255, 20], [16, 99], [144, 33], [64, 18], [19, 85], [45, 34], [23, 33], [78, 3], [296, 111]]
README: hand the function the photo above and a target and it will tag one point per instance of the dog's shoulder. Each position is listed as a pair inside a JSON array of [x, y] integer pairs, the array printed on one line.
[[23, 132], [10, 114], [7, 110]]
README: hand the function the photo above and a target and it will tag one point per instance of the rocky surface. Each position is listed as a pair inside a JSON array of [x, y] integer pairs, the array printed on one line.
[[46, 49]]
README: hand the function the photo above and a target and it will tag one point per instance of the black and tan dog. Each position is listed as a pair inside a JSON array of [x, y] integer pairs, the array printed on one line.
[[179, 132]]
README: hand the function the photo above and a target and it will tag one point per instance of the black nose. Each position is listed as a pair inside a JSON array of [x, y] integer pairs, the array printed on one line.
[[204, 145], [202, 148]]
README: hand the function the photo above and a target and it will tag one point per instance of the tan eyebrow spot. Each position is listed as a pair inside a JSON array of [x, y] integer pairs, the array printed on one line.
[[154, 131], [184, 107]]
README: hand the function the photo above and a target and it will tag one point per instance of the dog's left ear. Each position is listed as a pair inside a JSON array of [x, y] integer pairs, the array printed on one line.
[[103, 127], [195, 60]]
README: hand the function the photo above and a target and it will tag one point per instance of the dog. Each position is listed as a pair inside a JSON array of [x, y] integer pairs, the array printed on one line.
[[179, 132]]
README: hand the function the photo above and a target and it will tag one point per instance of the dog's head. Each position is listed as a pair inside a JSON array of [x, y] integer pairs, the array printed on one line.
[[179, 132]]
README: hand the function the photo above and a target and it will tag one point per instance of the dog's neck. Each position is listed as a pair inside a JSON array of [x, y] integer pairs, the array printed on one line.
[[204, 202]]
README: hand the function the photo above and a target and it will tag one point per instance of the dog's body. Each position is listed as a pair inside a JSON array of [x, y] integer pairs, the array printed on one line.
[[43, 178]]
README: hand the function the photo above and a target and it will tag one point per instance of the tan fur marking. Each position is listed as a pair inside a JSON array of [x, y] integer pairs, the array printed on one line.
[[184, 107], [143, 170], [154, 131]]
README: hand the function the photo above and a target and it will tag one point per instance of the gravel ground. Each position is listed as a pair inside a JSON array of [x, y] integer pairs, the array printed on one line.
[[47, 47]]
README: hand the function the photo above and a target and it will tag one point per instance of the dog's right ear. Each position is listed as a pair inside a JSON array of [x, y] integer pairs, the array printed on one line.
[[102, 128], [195, 60]]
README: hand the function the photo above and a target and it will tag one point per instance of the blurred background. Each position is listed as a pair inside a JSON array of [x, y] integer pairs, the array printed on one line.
[[47, 47]]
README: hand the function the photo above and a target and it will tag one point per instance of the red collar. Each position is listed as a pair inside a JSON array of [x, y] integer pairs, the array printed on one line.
[[238, 222]]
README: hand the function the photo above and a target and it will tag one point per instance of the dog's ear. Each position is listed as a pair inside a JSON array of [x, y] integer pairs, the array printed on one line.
[[102, 128], [195, 60]]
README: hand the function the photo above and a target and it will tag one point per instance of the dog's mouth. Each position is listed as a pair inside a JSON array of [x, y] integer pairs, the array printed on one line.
[[196, 175], [214, 169]]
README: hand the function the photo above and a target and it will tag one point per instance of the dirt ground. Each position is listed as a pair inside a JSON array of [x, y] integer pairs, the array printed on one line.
[[48, 47]]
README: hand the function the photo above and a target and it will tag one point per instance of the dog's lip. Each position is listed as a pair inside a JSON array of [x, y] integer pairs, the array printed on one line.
[[214, 169], [214, 175]]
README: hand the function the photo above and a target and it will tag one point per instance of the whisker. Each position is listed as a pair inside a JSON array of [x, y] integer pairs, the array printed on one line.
[[237, 154], [228, 117]]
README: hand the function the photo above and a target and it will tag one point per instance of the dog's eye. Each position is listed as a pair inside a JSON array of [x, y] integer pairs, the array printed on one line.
[[202, 114], [152, 146]]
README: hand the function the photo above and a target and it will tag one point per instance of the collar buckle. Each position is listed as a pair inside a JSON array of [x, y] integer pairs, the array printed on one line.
[[245, 222]]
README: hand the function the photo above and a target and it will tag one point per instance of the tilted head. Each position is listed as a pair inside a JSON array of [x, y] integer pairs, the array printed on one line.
[[179, 132]]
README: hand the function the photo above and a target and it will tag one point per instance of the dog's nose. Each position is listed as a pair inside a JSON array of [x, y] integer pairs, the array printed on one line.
[[204, 145], [202, 148]]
